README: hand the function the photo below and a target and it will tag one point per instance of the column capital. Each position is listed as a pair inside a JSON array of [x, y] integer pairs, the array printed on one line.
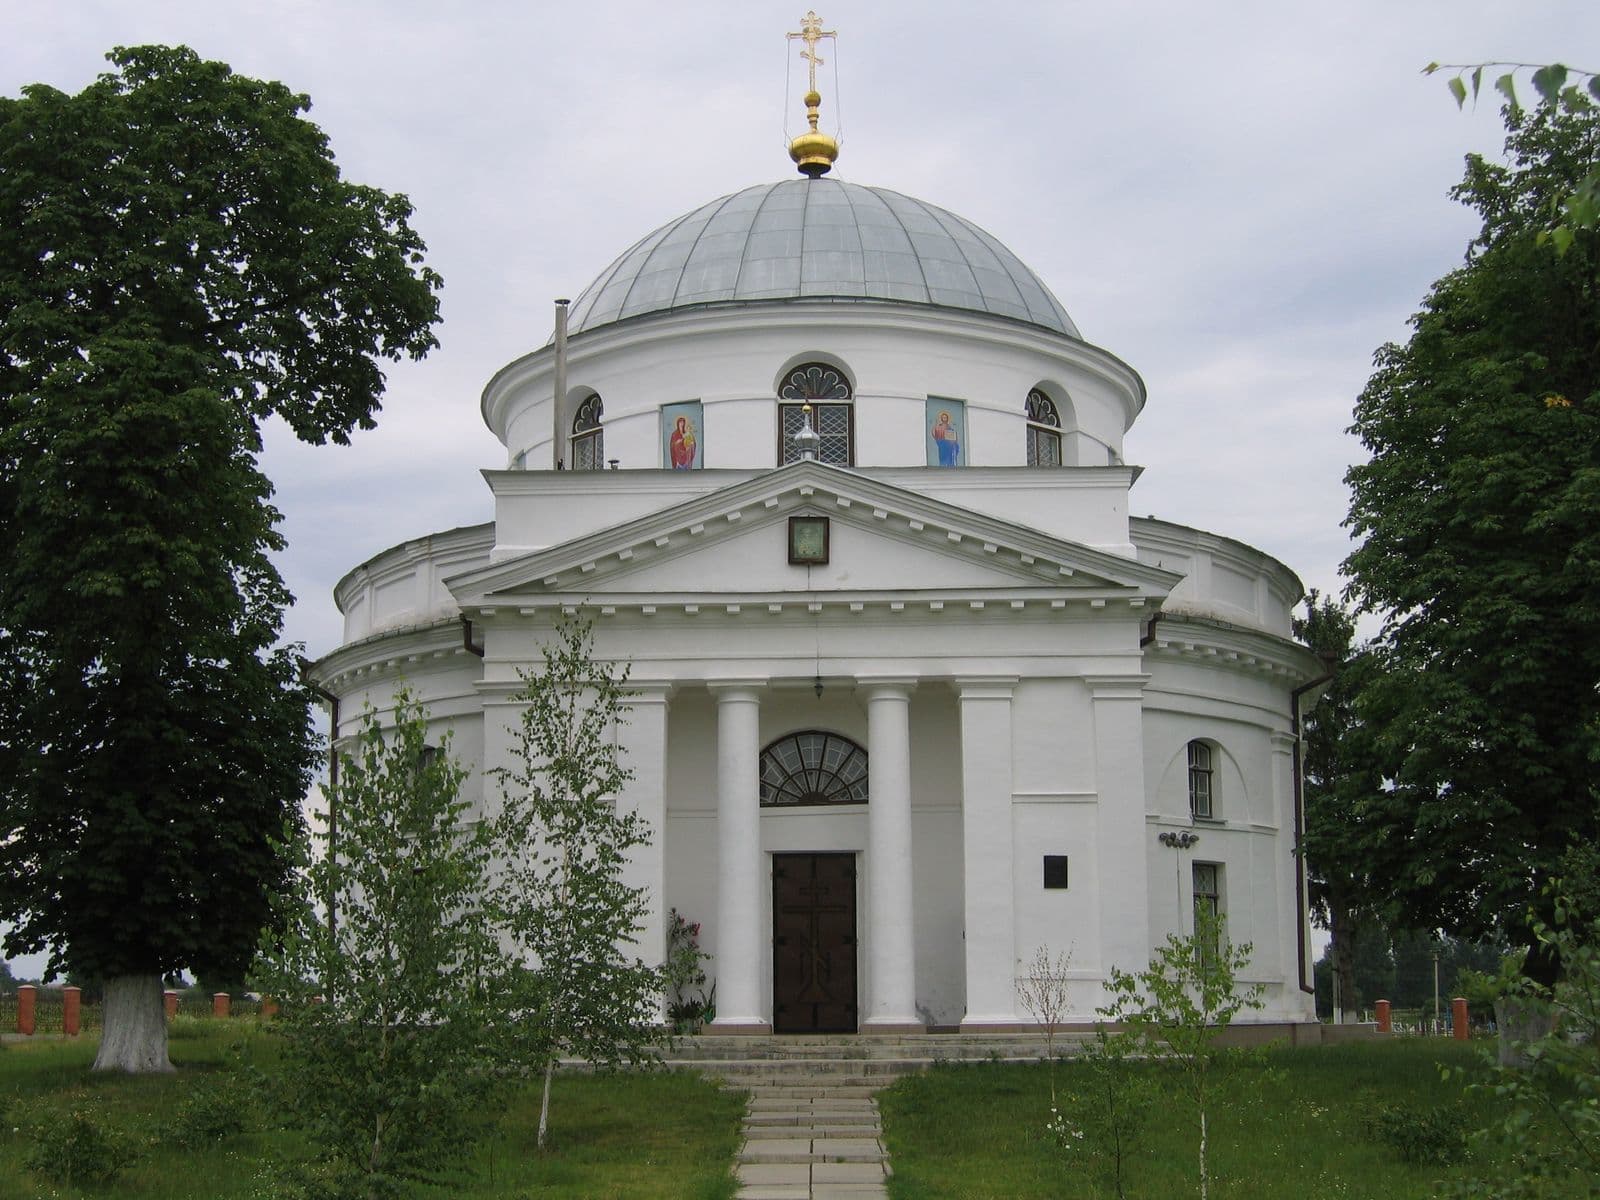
[[648, 691], [747, 688], [1116, 687], [898, 686], [986, 687]]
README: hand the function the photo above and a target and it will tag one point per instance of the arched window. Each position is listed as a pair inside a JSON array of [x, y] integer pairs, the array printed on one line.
[[1044, 431], [588, 439], [813, 767], [827, 390], [1202, 795]]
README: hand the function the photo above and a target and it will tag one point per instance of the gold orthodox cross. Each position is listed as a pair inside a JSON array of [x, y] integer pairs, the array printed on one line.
[[811, 32]]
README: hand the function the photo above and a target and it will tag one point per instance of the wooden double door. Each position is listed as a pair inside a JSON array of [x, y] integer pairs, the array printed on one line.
[[814, 943]]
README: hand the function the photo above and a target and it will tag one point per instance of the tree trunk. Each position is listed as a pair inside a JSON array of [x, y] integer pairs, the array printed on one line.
[[544, 1104], [134, 1033], [1343, 928]]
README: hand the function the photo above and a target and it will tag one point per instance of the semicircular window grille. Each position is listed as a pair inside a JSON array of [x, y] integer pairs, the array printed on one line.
[[813, 767], [815, 381]]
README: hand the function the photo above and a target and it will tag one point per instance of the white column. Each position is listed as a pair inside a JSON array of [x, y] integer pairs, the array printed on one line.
[[642, 742], [1122, 839], [990, 905], [740, 1006], [891, 942]]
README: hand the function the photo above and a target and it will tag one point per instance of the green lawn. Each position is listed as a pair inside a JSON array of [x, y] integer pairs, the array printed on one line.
[[1293, 1122], [616, 1137]]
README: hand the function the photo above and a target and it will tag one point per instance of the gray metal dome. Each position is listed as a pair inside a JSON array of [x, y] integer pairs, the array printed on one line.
[[818, 239]]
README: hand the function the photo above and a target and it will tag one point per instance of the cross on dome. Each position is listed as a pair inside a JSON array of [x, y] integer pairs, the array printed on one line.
[[813, 151]]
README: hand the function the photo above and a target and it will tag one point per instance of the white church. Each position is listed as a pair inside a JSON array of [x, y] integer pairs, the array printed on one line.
[[913, 695]]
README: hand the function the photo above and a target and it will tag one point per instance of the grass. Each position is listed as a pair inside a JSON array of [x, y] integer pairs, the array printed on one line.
[[612, 1137], [1287, 1122]]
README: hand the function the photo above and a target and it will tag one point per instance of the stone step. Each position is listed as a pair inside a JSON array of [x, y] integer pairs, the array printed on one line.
[[812, 1150], [829, 1114], [959, 1047], [811, 1129]]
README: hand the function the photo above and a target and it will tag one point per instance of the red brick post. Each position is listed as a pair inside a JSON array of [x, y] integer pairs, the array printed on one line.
[[1458, 1018], [269, 1008], [1384, 1025], [219, 1004], [70, 1002], [25, 1007], [169, 1001]]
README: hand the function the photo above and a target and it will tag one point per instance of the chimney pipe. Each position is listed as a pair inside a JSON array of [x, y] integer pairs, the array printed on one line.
[[558, 442]]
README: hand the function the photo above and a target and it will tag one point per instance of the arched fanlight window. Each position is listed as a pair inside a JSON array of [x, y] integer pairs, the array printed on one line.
[[813, 767], [1044, 431], [588, 439], [827, 390]]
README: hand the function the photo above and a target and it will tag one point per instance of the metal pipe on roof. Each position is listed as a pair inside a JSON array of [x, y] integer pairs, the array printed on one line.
[[559, 405]]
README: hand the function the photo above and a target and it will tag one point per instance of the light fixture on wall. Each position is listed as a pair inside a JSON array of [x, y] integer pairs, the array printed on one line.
[[1178, 841]]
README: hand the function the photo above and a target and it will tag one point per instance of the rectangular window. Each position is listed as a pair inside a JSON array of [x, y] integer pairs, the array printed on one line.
[[1200, 792], [1208, 907], [833, 423], [587, 449], [1044, 447]]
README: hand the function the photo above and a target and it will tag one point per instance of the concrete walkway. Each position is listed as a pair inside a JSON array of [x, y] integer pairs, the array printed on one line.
[[812, 1139]]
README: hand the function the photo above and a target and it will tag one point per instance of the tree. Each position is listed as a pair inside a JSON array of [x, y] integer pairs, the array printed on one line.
[[1479, 512], [1340, 775], [564, 840], [1176, 1008], [386, 1015], [1545, 1137], [1579, 208], [179, 259]]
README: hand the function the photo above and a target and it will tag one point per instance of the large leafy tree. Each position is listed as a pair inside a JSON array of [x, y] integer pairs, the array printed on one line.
[[1479, 514], [179, 259]]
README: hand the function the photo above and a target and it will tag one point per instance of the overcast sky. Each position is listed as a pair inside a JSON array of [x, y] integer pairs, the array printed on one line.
[[1242, 200]]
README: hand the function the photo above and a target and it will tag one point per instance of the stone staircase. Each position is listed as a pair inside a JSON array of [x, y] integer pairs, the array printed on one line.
[[811, 1127], [851, 1060]]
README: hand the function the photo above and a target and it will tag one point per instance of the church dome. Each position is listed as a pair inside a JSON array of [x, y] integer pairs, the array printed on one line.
[[818, 239]]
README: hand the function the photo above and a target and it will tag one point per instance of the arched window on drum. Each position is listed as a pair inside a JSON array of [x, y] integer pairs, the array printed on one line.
[[588, 438], [827, 391], [1044, 430]]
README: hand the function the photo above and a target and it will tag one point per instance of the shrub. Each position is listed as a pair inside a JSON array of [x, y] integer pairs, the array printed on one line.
[[1435, 1136], [211, 1112], [79, 1149]]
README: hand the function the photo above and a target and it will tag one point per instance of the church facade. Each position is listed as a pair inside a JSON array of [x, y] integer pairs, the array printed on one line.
[[913, 694]]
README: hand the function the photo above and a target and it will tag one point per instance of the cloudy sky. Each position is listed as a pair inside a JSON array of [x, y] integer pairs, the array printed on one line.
[[1241, 199]]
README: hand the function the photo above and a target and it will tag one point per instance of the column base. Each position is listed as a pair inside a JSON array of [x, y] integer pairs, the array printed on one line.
[[885, 1027], [739, 1028]]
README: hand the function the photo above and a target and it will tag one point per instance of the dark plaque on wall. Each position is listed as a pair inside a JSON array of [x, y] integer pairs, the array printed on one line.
[[808, 540]]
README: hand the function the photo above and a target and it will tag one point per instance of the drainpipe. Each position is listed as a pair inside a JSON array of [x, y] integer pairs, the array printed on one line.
[[467, 643], [333, 779], [559, 408], [1306, 985], [1150, 630]]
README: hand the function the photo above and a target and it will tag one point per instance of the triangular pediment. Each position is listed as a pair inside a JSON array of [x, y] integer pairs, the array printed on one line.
[[883, 540]]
